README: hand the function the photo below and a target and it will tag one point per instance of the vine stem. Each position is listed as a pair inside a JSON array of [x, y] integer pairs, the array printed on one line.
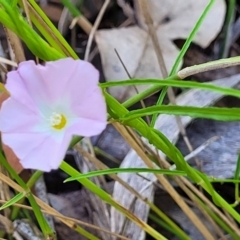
[[209, 66]]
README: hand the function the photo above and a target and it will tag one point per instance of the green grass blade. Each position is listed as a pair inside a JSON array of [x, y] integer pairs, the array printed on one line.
[[220, 180], [174, 83], [34, 42], [125, 170], [191, 37], [221, 114], [72, 9], [227, 29], [63, 43], [14, 200]]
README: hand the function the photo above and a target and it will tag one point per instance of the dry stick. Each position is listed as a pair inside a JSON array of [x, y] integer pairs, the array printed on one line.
[[143, 5], [135, 137], [69, 223], [16, 45], [144, 146], [7, 223], [7, 61], [2, 68], [167, 186], [229, 217], [197, 150], [210, 205], [101, 165], [51, 211], [94, 28], [25, 7], [178, 180], [204, 212], [115, 177], [181, 180], [204, 199], [82, 22], [70, 219], [130, 77]]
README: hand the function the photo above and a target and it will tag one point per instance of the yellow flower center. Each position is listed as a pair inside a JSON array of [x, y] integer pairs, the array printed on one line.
[[58, 121]]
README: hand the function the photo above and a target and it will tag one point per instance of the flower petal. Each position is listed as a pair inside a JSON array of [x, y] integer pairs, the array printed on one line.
[[16, 117], [86, 127], [93, 107], [91, 115], [32, 82], [58, 78], [50, 150], [84, 80], [23, 143], [68, 87], [18, 91]]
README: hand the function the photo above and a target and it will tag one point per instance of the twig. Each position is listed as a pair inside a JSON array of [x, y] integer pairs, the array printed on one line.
[[130, 77], [143, 5], [197, 150], [83, 23], [68, 219], [167, 186], [15, 45], [7, 61], [94, 28], [45, 208]]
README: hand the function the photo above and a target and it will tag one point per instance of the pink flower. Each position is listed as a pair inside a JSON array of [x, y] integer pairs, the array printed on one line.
[[47, 106]]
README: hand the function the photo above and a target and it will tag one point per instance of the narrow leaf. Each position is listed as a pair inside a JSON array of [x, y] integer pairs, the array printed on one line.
[[125, 170], [174, 83], [221, 114], [14, 200]]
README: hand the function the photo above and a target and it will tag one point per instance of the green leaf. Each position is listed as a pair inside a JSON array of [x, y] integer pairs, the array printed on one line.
[[221, 114], [53, 35], [174, 83], [125, 170], [223, 180], [14, 200], [13, 20]]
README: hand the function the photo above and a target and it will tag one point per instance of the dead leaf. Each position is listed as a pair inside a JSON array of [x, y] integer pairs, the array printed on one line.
[[11, 157], [173, 19]]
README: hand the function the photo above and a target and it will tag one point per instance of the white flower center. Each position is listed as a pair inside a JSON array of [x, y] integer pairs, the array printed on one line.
[[57, 121]]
